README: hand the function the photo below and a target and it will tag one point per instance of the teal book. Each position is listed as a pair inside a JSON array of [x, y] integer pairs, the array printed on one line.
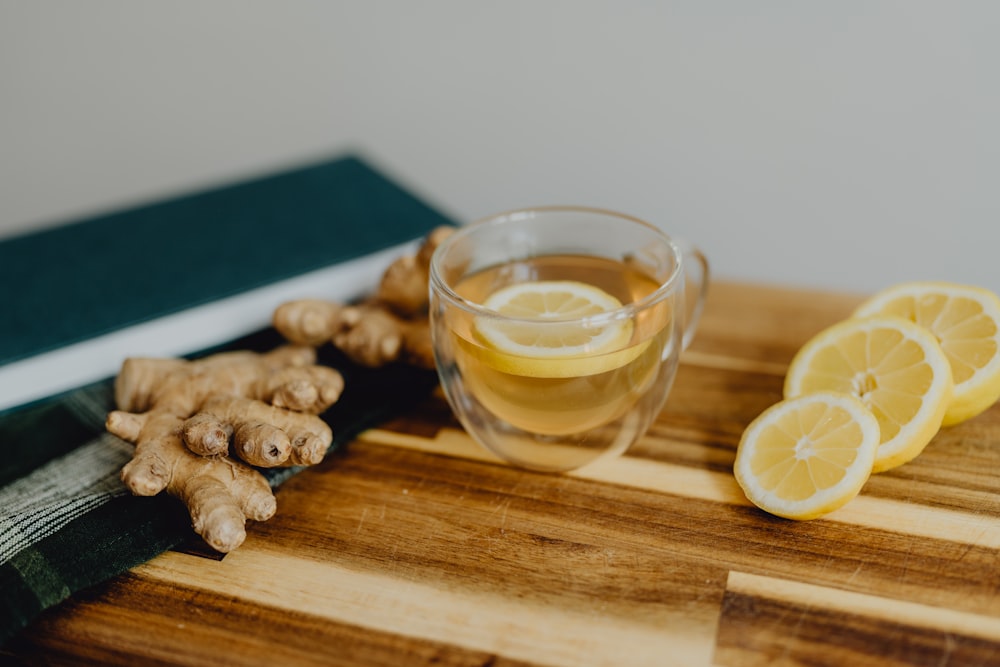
[[172, 277]]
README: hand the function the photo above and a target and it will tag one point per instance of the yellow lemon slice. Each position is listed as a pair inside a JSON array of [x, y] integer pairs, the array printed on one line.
[[897, 369], [807, 456], [966, 321], [545, 331]]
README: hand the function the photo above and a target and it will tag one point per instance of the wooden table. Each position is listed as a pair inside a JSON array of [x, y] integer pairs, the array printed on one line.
[[413, 546]]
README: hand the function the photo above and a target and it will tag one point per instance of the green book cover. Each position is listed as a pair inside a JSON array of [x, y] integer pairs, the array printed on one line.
[[194, 271]]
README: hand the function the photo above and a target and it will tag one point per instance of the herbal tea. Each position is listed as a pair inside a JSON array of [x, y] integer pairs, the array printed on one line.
[[544, 374], [556, 361]]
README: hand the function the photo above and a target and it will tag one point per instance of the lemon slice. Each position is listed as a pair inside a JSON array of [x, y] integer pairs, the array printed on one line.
[[966, 321], [897, 369], [805, 457], [545, 333]]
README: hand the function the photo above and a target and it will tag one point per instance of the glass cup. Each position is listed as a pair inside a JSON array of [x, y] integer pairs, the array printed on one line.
[[542, 389]]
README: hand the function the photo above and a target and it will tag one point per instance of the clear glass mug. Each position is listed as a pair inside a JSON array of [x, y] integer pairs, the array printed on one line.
[[557, 409]]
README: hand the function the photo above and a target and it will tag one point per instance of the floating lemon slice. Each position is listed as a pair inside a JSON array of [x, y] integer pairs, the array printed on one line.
[[966, 321], [897, 369], [805, 457], [547, 333]]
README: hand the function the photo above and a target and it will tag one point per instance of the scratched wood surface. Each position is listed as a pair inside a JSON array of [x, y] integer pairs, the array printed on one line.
[[414, 547]]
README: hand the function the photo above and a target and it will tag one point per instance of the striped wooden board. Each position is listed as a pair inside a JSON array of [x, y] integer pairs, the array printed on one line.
[[414, 546]]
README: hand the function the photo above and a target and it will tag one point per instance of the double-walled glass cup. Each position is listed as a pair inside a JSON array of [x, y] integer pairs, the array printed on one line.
[[574, 363]]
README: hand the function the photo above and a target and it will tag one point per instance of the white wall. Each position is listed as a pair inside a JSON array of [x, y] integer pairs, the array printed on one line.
[[842, 144]]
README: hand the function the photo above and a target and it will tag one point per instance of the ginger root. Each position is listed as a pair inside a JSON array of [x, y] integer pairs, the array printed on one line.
[[287, 377], [190, 420], [263, 435], [220, 493], [200, 426], [391, 325]]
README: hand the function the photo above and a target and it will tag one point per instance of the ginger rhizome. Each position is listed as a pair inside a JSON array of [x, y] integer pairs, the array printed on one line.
[[391, 325], [199, 426]]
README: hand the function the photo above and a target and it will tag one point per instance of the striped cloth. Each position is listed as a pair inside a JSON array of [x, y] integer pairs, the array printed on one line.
[[66, 520]]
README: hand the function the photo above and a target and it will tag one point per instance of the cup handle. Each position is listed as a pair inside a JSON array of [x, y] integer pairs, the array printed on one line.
[[696, 278]]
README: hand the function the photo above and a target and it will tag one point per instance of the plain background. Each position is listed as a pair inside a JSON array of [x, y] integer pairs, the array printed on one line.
[[839, 145]]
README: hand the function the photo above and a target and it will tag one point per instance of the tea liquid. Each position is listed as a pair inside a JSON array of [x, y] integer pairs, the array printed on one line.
[[584, 393]]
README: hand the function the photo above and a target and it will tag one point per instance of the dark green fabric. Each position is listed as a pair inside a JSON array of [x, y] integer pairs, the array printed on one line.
[[105, 542], [128, 530], [86, 279], [41, 432]]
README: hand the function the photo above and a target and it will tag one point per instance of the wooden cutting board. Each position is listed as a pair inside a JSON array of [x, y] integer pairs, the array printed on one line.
[[414, 547]]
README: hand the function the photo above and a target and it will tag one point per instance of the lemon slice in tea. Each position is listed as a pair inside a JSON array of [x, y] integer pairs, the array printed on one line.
[[966, 321], [897, 369], [805, 457], [544, 330]]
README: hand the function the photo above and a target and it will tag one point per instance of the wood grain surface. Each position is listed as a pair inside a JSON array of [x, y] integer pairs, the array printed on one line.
[[413, 546]]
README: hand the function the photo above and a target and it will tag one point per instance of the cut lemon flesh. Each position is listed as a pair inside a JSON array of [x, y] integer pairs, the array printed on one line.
[[544, 330], [894, 366], [805, 457], [966, 322]]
